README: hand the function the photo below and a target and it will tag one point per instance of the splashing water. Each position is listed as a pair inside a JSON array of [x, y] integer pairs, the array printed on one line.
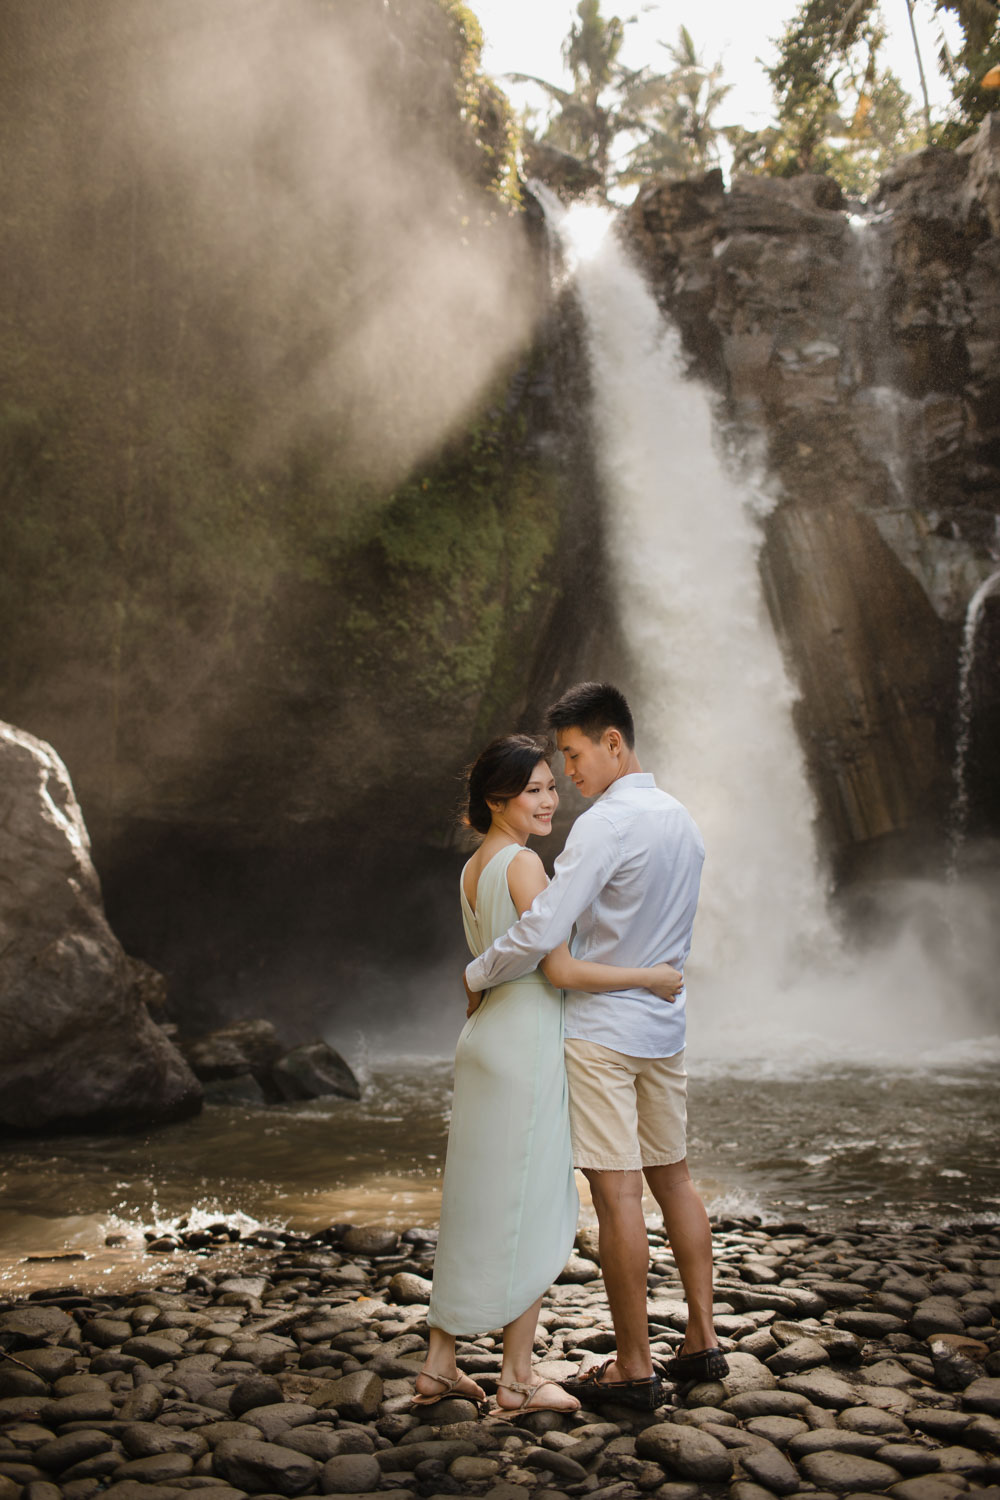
[[773, 976]]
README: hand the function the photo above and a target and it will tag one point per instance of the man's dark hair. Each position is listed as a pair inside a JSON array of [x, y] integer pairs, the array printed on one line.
[[593, 707]]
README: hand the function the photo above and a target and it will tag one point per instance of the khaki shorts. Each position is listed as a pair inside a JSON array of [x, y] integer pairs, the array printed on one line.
[[625, 1112]]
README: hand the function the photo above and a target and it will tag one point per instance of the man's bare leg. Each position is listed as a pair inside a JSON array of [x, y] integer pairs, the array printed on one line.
[[690, 1235], [624, 1249]]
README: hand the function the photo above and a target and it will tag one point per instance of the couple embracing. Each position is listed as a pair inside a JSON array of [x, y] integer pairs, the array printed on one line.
[[625, 888]]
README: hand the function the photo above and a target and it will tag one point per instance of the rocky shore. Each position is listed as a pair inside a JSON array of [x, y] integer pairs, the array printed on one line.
[[862, 1362]]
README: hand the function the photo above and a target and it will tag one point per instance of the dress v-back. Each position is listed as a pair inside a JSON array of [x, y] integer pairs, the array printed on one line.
[[509, 1202]]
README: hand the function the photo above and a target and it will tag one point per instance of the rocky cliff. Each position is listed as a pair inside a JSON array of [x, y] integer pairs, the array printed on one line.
[[77, 1044], [857, 358]]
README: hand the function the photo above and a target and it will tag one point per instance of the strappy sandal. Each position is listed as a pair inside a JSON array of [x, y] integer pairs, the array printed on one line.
[[451, 1391], [529, 1390]]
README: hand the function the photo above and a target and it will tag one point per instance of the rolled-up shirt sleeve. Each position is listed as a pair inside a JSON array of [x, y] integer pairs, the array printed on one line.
[[590, 858]]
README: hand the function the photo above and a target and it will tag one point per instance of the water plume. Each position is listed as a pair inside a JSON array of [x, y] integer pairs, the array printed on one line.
[[774, 979]]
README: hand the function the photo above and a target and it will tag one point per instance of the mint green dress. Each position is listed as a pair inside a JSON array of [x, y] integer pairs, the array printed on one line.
[[509, 1203]]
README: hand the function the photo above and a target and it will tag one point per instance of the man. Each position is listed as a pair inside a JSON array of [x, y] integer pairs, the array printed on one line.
[[627, 881]]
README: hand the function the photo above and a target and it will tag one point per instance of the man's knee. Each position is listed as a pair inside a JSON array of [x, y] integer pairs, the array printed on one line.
[[665, 1178], [614, 1192]]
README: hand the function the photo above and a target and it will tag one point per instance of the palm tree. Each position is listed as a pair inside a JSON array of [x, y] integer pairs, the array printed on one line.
[[679, 133]]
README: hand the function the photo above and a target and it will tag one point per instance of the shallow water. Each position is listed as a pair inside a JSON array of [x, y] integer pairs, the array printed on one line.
[[830, 1143]]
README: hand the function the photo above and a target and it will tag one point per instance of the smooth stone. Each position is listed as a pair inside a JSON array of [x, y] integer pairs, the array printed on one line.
[[965, 1461], [769, 1467], [246, 1286], [34, 1325], [158, 1468], [873, 1421], [215, 1433], [933, 1487], [106, 1333], [846, 1473], [687, 1451], [801, 1354], [843, 1347], [777, 1430], [935, 1315], [944, 1424], [870, 1325], [40, 1489], [409, 1455], [63, 1452], [356, 1396], [153, 1349], [909, 1458], [822, 1389], [17, 1382], [349, 1474], [86, 1406], [51, 1362], [369, 1239], [319, 1443], [143, 1404], [274, 1421], [560, 1464], [146, 1439], [408, 1288], [835, 1440], [255, 1391], [765, 1404], [983, 1395], [888, 1372], [473, 1470], [743, 1489], [265, 1468]]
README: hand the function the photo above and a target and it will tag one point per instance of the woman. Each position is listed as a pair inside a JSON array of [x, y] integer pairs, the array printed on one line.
[[509, 1202]]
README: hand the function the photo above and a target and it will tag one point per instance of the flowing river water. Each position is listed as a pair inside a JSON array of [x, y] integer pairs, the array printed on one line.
[[819, 1140]]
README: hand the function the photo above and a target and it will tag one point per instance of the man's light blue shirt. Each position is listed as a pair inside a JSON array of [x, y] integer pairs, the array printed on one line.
[[627, 881]]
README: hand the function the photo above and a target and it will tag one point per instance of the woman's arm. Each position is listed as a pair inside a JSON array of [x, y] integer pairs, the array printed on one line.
[[525, 878]]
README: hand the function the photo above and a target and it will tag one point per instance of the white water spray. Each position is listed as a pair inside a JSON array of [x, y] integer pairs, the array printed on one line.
[[959, 821], [772, 979], [715, 721]]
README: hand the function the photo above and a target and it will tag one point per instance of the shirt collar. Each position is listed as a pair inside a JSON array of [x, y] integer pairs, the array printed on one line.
[[634, 778]]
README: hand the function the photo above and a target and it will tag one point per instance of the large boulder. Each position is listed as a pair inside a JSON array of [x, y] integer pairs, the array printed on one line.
[[77, 1044]]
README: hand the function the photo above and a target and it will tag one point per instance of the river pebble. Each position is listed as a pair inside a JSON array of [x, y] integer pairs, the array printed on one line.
[[862, 1363]]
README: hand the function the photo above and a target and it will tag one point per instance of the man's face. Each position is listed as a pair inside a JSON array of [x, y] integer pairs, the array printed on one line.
[[589, 764]]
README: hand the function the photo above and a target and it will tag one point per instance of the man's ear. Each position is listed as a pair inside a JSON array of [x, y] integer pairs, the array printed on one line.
[[613, 740]]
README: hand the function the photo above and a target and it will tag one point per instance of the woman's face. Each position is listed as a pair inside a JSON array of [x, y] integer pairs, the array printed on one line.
[[530, 812]]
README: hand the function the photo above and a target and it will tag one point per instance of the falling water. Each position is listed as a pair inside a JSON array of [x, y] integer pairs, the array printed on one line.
[[715, 699], [959, 820], [774, 979]]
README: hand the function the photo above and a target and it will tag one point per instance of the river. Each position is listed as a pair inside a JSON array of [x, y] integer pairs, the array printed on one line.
[[828, 1142]]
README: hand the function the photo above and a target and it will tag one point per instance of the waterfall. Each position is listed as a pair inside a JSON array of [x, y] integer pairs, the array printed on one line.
[[958, 822], [771, 978], [714, 700]]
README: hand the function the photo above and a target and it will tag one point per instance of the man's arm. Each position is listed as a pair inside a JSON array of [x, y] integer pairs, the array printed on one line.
[[583, 869]]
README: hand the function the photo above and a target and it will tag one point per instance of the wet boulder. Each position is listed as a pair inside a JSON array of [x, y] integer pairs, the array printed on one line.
[[313, 1071], [77, 1044]]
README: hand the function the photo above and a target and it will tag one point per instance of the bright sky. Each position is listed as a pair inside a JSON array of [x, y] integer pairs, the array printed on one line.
[[526, 36]]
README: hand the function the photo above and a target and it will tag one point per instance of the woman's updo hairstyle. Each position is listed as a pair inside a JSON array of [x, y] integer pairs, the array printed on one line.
[[500, 771]]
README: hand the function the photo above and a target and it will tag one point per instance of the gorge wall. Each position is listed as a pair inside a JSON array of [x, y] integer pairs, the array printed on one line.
[[299, 499], [858, 362]]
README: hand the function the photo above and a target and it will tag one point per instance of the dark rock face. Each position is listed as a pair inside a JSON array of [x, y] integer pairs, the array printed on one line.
[[246, 1063], [867, 357], [77, 1044]]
